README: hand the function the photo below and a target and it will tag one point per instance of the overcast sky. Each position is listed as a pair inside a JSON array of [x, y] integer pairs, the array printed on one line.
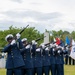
[[41, 14]]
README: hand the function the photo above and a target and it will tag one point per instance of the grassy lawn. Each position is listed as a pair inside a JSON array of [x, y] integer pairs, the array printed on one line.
[[68, 70], [2, 72]]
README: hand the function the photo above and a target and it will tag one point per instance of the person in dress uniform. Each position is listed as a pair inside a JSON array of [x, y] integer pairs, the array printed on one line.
[[37, 60], [46, 59], [14, 61], [27, 57], [52, 58], [59, 59]]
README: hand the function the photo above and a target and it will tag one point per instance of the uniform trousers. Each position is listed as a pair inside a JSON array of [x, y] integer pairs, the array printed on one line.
[[46, 70], [53, 69], [38, 70], [59, 69], [27, 71], [16, 71]]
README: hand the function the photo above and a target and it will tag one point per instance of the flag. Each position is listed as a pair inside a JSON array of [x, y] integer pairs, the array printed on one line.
[[57, 41], [67, 40], [72, 53]]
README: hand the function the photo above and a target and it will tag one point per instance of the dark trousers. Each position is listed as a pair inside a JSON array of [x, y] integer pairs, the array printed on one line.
[[23, 71], [66, 60], [73, 62], [59, 69], [46, 70], [38, 70], [53, 69], [27, 71], [70, 59], [16, 71]]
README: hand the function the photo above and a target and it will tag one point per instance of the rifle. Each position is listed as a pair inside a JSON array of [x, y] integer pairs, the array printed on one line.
[[20, 33], [23, 29], [38, 39], [49, 43], [70, 46]]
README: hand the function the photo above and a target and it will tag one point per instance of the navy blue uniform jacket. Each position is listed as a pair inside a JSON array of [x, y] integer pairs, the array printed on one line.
[[14, 57]]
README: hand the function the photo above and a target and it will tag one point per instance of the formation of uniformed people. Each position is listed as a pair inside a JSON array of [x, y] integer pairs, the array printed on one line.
[[28, 59]]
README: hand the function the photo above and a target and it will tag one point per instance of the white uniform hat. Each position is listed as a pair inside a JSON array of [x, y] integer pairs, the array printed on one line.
[[8, 36], [43, 45], [37, 50], [24, 39]]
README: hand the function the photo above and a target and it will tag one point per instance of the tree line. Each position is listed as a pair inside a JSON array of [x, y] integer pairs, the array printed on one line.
[[31, 34]]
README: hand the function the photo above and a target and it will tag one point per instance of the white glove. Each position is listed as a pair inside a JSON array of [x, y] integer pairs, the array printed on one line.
[[43, 46], [51, 45], [28, 46], [66, 48], [33, 42], [58, 46], [54, 45], [62, 48], [47, 49], [13, 42], [3, 54], [53, 49], [18, 35], [58, 51], [38, 50]]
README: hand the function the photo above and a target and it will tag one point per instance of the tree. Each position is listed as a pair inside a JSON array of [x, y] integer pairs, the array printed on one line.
[[30, 33]]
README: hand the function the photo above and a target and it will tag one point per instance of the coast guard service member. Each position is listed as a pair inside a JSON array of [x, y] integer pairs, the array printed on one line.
[[46, 60], [27, 57], [37, 60], [14, 58]]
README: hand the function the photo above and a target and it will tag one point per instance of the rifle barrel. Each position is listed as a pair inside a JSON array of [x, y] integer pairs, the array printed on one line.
[[23, 29]]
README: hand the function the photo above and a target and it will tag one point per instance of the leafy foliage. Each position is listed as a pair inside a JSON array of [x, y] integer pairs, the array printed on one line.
[[32, 34], [29, 33]]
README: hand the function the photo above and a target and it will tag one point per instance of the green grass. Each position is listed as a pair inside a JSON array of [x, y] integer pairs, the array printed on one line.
[[2, 71], [68, 70]]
